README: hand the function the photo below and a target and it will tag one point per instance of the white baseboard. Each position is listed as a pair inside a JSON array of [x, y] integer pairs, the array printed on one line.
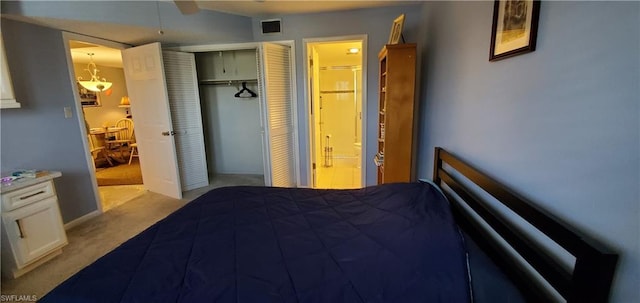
[[82, 219]]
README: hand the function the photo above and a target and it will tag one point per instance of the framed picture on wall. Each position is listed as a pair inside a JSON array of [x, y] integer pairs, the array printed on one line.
[[88, 98], [515, 28], [396, 30]]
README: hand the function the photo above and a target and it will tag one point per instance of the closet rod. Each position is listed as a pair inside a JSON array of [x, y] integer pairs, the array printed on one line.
[[227, 82]]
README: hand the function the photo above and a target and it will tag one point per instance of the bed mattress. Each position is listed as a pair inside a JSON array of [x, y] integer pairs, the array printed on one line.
[[386, 243]]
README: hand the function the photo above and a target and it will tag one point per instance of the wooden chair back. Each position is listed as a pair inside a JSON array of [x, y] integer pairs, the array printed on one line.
[[127, 132]]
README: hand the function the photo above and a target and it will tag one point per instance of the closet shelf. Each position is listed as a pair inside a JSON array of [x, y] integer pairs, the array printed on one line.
[[226, 82]]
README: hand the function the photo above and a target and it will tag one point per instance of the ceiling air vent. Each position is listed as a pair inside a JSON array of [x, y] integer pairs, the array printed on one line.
[[271, 26]]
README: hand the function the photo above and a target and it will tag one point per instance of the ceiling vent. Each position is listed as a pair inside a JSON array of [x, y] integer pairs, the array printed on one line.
[[271, 26]]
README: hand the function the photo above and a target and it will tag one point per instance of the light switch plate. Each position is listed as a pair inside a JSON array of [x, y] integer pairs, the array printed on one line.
[[67, 112]]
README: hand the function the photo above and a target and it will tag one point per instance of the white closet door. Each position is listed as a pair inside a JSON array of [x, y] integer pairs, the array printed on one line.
[[274, 67], [144, 74], [184, 103]]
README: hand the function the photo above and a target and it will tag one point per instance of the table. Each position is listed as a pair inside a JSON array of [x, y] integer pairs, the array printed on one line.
[[101, 134]]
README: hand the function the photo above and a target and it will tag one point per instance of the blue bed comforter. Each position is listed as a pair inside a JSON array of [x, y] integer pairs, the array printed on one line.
[[386, 243]]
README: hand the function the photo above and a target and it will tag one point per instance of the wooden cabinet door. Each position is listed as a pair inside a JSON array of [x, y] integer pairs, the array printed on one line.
[[34, 230]]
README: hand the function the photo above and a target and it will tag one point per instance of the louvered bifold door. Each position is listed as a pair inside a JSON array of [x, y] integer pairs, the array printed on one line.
[[184, 103], [277, 105]]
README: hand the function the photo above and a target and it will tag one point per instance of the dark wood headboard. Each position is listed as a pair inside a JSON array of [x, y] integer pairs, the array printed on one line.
[[589, 280]]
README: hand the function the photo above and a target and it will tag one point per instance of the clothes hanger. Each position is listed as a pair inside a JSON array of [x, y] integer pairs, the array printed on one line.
[[245, 89]]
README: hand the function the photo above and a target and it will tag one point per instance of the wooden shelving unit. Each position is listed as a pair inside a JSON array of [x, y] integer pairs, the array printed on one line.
[[395, 116]]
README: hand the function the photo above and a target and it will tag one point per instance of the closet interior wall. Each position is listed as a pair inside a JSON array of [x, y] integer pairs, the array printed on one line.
[[231, 124]]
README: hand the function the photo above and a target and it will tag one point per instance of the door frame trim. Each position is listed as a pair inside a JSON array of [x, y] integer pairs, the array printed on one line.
[[66, 37], [307, 95]]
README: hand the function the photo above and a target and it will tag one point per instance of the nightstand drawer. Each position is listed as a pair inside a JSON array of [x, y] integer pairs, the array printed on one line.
[[27, 195]]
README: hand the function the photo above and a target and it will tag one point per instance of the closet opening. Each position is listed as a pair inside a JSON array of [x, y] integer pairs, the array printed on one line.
[[231, 116]]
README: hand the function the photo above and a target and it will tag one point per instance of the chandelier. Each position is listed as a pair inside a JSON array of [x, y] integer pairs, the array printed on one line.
[[96, 84]]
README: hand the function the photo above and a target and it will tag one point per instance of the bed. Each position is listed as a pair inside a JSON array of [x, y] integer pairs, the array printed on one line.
[[405, 242]]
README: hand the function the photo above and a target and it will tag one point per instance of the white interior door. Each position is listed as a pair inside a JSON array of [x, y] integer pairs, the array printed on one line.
[[144, 74], [184, 103], [274, 68]]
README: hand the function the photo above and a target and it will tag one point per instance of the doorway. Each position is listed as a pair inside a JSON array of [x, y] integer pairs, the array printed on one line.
[[228, 85], [335, 81], [107, 119]]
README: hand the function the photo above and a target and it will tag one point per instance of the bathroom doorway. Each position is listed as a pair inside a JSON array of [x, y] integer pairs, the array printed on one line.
[[335, 86]]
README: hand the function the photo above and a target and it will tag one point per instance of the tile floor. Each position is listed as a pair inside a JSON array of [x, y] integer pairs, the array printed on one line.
[[116, 195], [344, 174]]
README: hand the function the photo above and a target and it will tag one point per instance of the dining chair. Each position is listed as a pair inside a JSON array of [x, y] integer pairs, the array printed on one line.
[[97, 151], [122, 136], [133, 151]]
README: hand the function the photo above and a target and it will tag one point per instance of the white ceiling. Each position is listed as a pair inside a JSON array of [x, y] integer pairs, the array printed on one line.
[[332, 53], [257, 8], [101, 55]]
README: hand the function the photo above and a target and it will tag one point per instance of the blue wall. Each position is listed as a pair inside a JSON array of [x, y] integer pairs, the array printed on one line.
[[37, 135], [376, 24], [560, 125]]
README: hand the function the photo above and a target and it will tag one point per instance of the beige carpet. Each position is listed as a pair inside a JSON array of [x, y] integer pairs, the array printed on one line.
[[94, 238], [91, 240], [121, 174]]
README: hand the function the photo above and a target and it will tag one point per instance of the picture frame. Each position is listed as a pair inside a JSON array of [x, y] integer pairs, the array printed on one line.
[[396, 30], [515, 28], [88, 98]]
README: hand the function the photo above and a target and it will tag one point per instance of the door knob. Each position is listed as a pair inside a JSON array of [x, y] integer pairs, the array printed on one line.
[[168, 133]]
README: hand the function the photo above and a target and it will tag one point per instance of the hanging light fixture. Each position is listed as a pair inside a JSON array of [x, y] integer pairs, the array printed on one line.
[[95, 84]]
